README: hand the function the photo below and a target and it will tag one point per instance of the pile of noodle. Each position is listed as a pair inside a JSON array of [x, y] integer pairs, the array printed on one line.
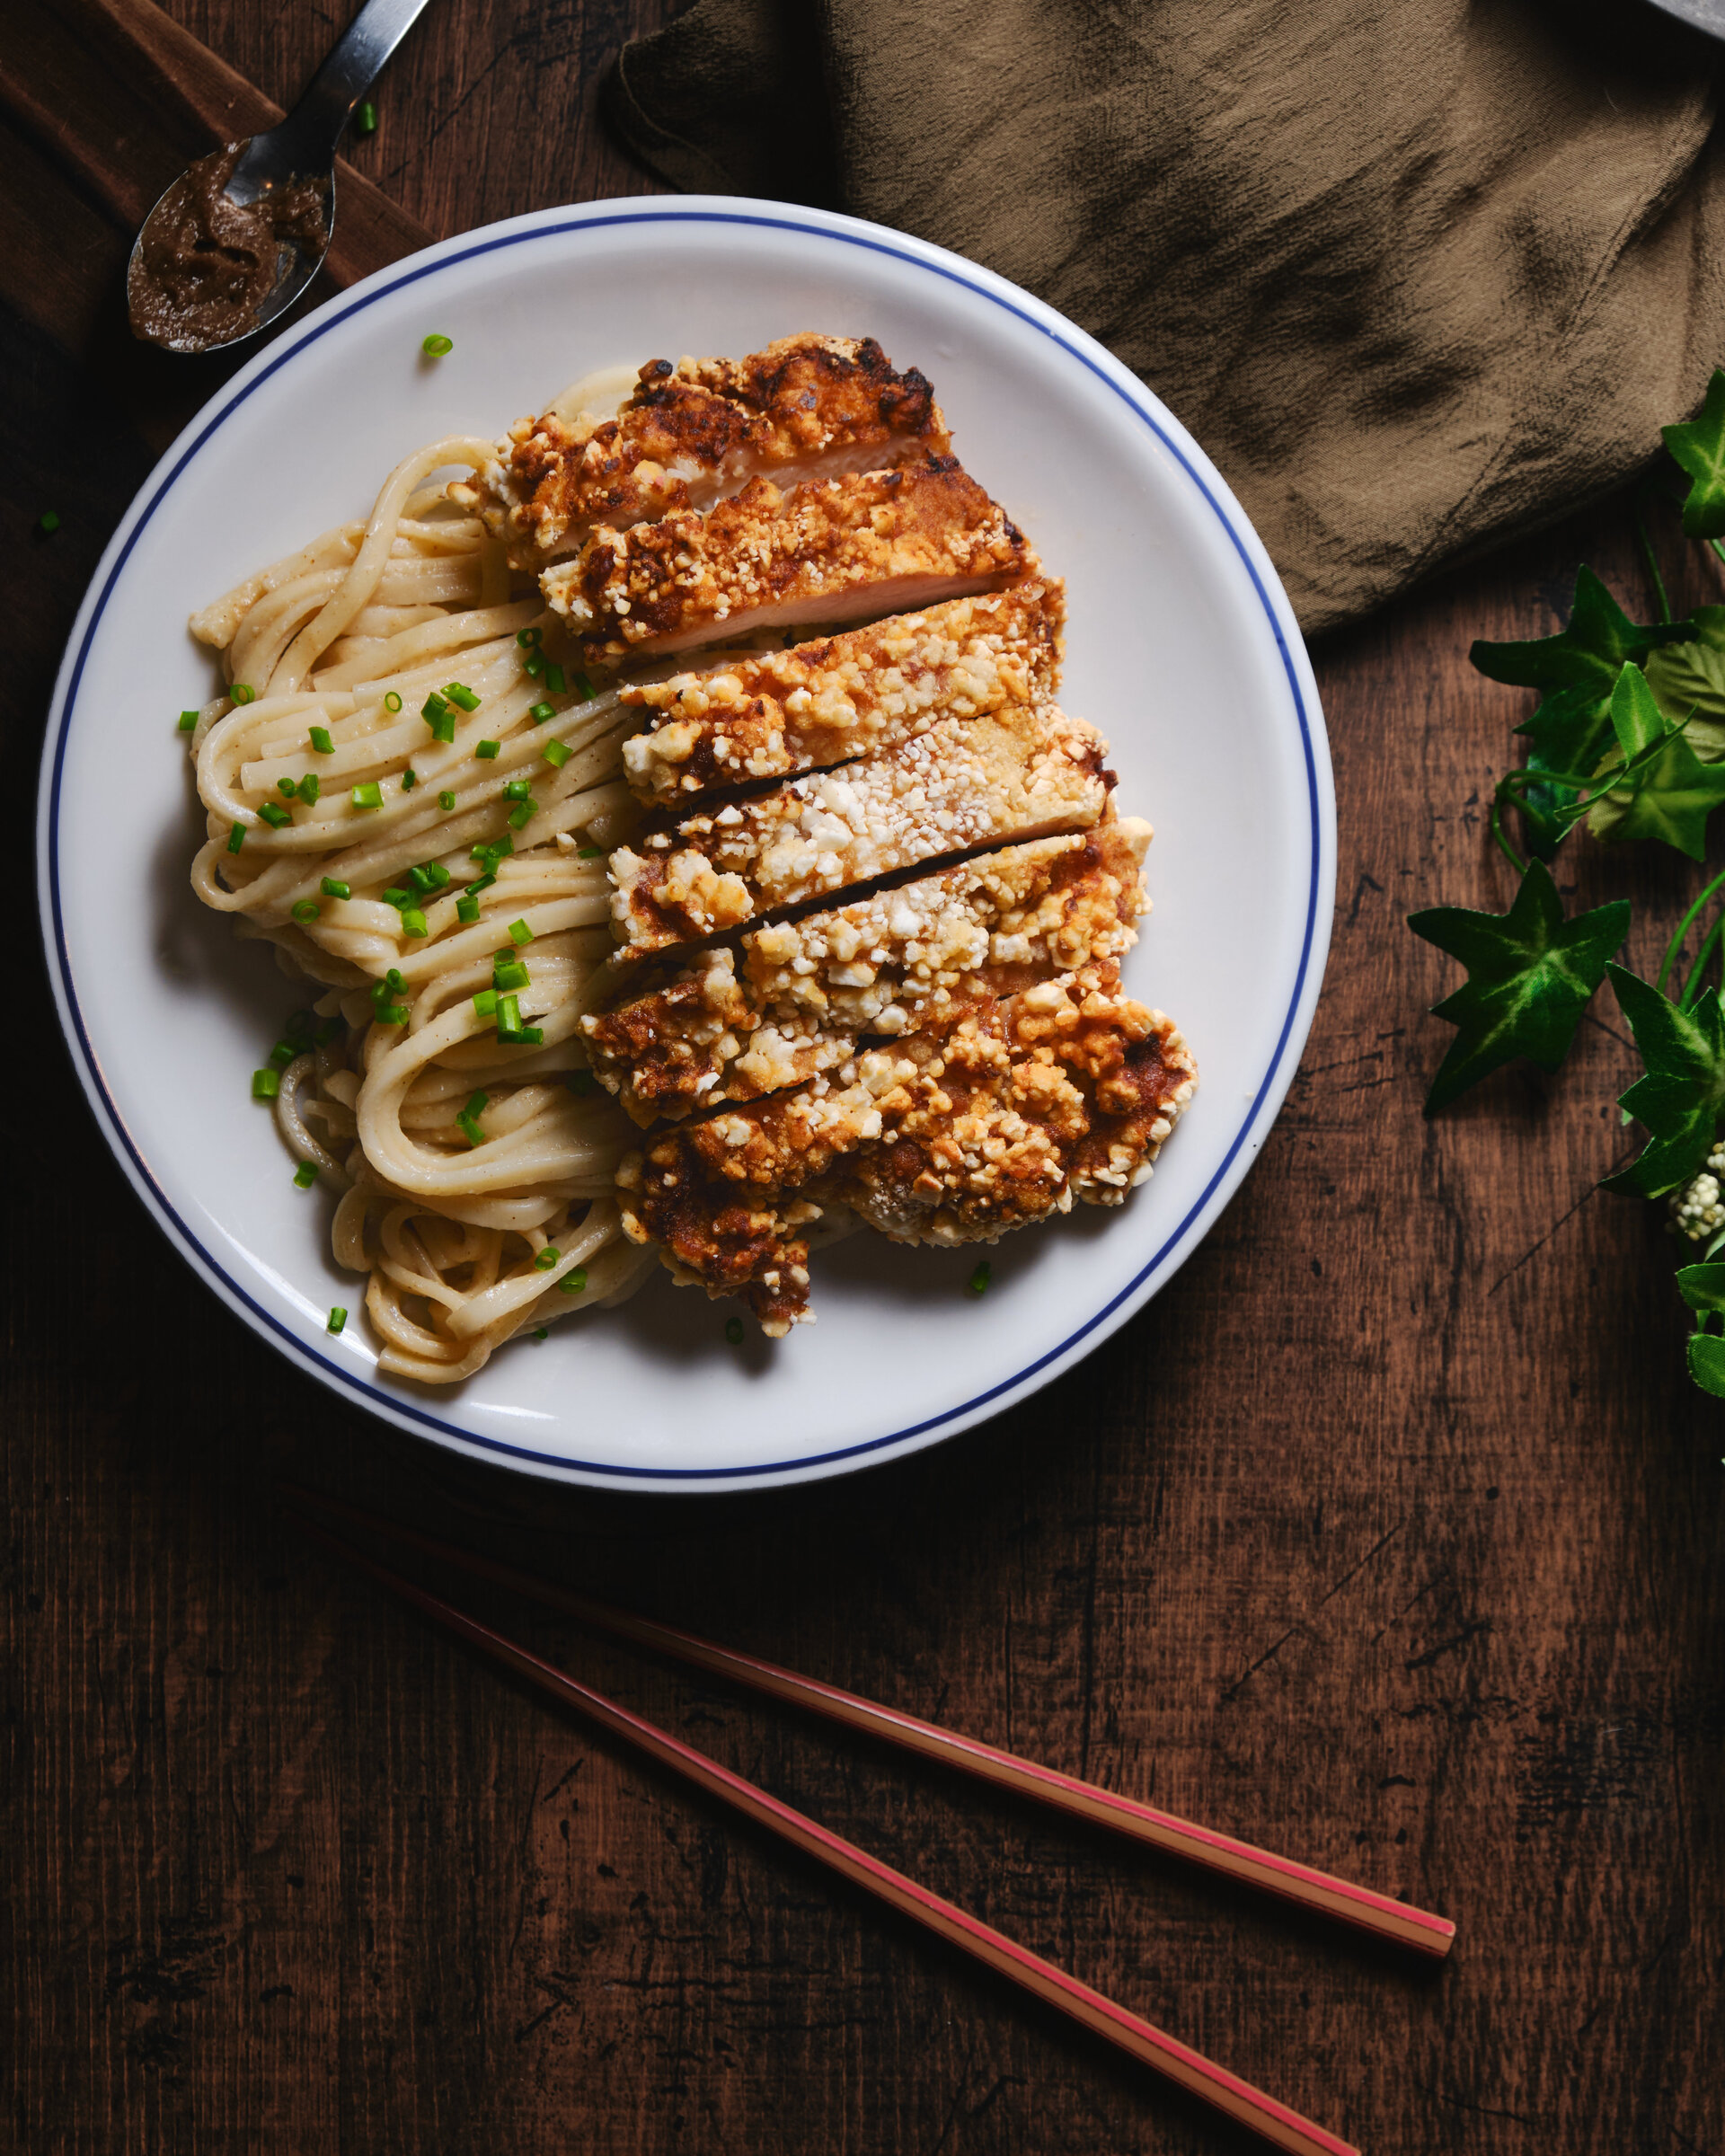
[[452, 1235]]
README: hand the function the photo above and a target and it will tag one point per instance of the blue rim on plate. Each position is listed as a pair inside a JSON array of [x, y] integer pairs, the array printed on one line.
[[402, 1408]]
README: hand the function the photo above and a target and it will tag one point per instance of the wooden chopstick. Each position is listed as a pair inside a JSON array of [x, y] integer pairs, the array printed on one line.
[[1201, 2077], [1357, 1906]]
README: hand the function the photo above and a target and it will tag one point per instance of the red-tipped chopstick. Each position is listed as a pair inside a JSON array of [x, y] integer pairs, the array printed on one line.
[[1357, 1906], [1199, 2076]]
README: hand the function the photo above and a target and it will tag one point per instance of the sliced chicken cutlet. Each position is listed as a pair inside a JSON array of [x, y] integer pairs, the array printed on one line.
[[690, 433], [794, 999], [872, 543], [1026, 772], [852, 694], [993, 1118]]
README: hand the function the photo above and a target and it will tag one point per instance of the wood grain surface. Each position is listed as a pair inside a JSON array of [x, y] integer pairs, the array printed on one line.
[[1389, 1536]]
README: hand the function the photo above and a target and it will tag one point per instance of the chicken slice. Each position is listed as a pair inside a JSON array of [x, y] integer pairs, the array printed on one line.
[[995, 1118], [1024, 773], [794, 998], [690, 433], [830, 551], [851, 694]]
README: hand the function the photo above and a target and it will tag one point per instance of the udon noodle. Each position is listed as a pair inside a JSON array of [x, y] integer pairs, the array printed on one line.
[[406, 875]]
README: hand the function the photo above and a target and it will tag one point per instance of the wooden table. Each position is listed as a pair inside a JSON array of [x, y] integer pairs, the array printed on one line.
[[1390, 1535]]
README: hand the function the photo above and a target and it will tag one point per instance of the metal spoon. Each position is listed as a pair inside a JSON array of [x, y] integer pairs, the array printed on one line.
[[191, 288]]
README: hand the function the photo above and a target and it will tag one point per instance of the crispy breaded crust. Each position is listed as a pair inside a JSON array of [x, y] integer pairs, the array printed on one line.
[[826, 550], [689, 432], [796, 997], [1025, 773], [851, 694], [1005, 1113]]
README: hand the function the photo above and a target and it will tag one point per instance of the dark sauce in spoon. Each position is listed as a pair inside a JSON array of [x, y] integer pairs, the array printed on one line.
[[205, 266]]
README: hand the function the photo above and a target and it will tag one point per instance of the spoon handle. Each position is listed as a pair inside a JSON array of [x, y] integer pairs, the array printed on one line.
[[321, 117]]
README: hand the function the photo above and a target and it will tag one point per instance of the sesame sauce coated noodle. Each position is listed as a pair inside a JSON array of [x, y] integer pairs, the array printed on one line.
[[407, 865]]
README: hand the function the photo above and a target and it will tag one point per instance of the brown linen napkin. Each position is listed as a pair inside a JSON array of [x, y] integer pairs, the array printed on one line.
[[1416, 273]]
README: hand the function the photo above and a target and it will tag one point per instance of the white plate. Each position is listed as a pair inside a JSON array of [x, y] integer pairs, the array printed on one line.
[[1181, 647]]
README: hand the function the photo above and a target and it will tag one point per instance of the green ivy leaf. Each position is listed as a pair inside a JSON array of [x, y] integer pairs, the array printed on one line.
[[1577, 670], [1531, 974], [1699, 447], [1702, 1288], [1681, 1097], [1690, 677], [1707, 1362], [1671, 793]]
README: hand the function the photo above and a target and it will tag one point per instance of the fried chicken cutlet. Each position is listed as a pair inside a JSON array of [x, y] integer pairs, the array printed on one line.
[[690, 433], [1002, 1114]]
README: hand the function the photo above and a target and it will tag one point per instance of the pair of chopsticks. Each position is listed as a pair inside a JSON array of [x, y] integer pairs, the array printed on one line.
[[1376, 1914]]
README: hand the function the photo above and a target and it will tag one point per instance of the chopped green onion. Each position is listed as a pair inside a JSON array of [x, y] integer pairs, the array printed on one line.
[[364, 120], [539, 713], [265, 1084], [509, 1014], [236, 838], [187, 719], [445, 800], [457, 692], [49, 521], [484, 884], [477, 1103], [309, 788], [544, 1259], [412, 921], [488, 749], [434, 706], [522, 814], [580, 1081], [391, 700], [241, 693], [396, 897], [305, 911], [368, 796], [443, 727], [977, 1283], [734, 1331], [521, 1037], [428, 876], [274, 814], [557, 754], [518, 790], [528, 637], [485, 1002], [584, 688], [541, 1332], [284, 1053], [434, 346], [390, 1014], [305, 1175], [554, 680], [519, 933], [410, 779], [286, 788], [589, 853], [395, 981], [333, 888], [320, 740], [508, 973], [470, 1130], [337, 1318], [535, 663], [467, 909], [573, 1281]]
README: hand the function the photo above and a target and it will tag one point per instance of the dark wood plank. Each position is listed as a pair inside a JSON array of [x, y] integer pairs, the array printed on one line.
[[1389, 1535]]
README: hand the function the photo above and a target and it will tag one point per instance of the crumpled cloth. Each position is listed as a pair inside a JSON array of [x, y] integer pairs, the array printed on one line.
[[1417, 274]]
